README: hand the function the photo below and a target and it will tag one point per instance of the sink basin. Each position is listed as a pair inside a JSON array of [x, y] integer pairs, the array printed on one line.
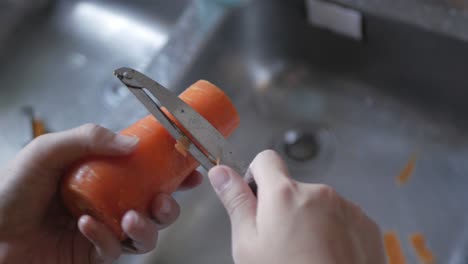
[[60, 61], [345, 113]]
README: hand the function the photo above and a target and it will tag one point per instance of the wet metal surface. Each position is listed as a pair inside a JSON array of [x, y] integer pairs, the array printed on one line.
[[448, 17], [60, 62], [370, 107]]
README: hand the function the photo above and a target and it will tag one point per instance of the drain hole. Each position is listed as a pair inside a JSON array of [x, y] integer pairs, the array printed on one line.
[[300, 146]]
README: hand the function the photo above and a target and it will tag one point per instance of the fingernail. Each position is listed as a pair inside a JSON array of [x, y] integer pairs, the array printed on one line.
[[165, 206], [131, 217], [89, 230], [126, 142], [219, 179], [82, 220]]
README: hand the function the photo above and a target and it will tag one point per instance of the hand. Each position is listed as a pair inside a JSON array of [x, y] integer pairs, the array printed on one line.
[[34, 225], [293, 222]]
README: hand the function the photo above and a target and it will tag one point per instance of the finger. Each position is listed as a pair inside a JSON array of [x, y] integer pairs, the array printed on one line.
[[141, 230], [106, 245], [269, 170], [192, 181], [165, 210], [236, 197], [354, 215], [363, 229], [59, 150]]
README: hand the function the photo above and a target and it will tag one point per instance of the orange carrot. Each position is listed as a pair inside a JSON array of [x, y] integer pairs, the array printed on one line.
[[418, 242], [107, 187], [393, 248], [407, 171], [38, 127]]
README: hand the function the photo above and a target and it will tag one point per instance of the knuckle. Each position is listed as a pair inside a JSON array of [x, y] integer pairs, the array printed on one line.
[[92, 135], [91, 130], [325, 193], [323, 196], [236, 202], [284, 189]]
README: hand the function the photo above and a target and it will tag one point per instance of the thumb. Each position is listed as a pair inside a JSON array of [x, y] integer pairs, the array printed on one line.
[[237, 198]]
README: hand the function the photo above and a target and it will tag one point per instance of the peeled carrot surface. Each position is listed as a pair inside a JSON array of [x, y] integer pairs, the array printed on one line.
[[107, 187]]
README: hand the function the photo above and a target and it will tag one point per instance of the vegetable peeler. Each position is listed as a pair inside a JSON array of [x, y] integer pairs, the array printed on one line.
[[205, 142]]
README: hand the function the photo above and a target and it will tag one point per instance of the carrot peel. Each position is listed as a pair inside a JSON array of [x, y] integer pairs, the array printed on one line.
[[407, 171], [418, 242], [393, 248]]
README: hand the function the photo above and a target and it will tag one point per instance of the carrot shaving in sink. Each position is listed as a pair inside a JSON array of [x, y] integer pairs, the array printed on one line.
[[418, 242], [38, 128], [407, 171], [393, 248]]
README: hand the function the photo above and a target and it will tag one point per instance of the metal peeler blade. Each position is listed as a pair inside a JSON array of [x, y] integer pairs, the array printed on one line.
[[154, 96]]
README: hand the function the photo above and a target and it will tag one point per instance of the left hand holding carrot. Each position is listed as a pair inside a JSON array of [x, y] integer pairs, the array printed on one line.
[[34, 225]]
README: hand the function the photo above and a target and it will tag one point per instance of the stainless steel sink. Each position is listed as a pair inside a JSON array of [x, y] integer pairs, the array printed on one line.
[[345, 113], [60, 59]]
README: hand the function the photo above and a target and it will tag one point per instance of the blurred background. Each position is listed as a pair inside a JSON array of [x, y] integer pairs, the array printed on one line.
[[369, 96]]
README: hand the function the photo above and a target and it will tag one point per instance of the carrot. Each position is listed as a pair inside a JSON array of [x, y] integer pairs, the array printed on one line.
[[107, 187], [393, 248], [407, 171], [38, 127]]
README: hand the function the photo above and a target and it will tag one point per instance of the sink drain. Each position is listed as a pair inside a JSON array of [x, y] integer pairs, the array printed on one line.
[[300, 146], [308, 150]]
